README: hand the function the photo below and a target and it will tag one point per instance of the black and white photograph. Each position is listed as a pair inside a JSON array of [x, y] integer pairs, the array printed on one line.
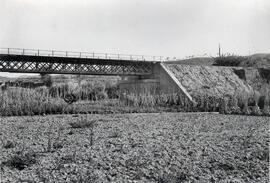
[[134, 91]]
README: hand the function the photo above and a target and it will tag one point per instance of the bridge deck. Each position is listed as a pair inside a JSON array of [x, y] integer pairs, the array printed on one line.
[[63, 62]]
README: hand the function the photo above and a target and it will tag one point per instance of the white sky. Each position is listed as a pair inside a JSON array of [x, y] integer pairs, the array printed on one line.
[[153, 27]]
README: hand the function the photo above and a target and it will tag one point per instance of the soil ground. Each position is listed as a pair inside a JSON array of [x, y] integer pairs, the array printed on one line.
[[157, 147]]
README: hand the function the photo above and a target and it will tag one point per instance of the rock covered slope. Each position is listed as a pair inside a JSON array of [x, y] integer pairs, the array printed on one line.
[[209, 80]]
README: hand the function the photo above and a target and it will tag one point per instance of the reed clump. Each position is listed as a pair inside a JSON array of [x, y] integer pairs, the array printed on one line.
[[44, 100], [23, 101]]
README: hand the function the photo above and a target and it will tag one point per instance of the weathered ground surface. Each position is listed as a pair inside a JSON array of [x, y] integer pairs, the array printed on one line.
[[209, 80], [160, 147]]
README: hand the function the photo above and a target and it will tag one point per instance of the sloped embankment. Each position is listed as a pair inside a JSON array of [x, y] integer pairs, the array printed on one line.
[[209, 80]]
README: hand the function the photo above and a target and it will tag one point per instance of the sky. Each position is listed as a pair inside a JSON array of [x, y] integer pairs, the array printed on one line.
[[171, 28]]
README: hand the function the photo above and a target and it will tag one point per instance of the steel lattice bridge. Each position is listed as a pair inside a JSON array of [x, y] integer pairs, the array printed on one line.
[[66, 62]]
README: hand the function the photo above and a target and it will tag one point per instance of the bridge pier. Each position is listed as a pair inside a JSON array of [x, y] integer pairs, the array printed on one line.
[[161, 81]]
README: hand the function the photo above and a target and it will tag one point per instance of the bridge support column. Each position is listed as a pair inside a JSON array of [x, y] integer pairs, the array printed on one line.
[[139, 86], [162, 81]]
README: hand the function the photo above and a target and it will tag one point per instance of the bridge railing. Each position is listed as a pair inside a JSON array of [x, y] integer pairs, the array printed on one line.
[[72, 54]]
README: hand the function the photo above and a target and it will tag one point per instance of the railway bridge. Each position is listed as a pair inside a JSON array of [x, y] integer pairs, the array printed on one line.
[[140, 73], [66, 62]]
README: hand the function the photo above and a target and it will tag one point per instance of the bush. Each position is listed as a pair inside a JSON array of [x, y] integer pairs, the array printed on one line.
[[229, 60], [47, 79], [112, 91], [21, 160]]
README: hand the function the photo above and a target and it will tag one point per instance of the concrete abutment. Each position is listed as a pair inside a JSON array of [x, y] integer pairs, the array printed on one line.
[[161, 81]]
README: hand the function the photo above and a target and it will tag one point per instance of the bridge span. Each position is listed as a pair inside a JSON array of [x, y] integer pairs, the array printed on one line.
[[143, 74], [66, 62]]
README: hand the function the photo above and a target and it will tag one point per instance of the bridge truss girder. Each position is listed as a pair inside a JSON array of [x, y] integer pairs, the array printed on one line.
[[64, 65]]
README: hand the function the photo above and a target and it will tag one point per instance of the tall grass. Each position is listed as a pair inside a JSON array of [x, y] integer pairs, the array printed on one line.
[[84, 91], [151, 100], [21, 101]]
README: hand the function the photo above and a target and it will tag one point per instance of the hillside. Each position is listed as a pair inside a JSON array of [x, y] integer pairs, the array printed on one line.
[[259, 60], [194, 61]]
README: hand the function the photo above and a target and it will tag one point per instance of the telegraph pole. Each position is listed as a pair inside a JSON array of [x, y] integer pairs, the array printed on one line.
[[219, 49]]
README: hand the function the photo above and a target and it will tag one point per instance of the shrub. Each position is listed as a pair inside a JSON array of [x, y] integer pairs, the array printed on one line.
[[47, 80], [112, 91], [229, 60], [21, 160]]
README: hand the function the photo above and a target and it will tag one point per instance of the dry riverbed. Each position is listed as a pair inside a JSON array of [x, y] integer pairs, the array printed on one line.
[[157, 147]]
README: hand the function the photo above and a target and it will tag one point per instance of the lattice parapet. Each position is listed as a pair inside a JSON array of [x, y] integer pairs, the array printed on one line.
[[66, 65]]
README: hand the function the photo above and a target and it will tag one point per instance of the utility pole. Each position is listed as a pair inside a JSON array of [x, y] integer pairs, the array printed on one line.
[[219, 49]]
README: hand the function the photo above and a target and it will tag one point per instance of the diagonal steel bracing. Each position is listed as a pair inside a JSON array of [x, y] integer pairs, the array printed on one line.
[[69, 65]]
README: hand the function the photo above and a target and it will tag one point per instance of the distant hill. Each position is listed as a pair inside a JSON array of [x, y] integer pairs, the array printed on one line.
[[255, 61], [259, 60], [194, 61], [261, 55]]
